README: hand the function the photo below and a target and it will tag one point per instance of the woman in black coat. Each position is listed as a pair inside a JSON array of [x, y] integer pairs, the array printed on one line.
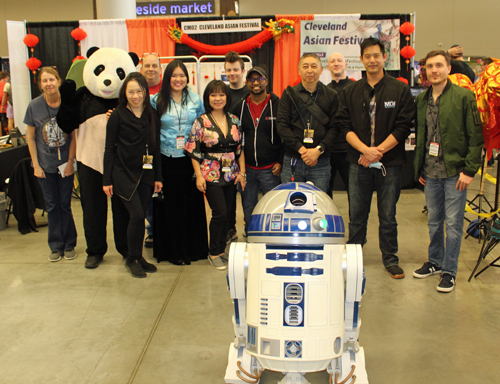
[[132, 166]]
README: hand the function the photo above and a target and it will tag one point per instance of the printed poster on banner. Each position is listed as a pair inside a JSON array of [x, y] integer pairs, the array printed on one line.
[[325, 37]]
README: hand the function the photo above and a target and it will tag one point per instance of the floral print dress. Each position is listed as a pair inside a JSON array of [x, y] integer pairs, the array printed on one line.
[[218, 154]]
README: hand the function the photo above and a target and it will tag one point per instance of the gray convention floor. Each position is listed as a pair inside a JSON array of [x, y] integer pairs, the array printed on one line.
[[62, 323]]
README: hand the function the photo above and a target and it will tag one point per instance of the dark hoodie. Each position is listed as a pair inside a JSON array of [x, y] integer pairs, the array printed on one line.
[[263, 146]]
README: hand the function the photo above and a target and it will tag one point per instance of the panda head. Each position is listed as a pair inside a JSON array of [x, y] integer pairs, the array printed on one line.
[[106, 69]]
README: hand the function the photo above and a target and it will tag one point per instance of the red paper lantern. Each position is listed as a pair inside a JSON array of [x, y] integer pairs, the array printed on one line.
[[407, 28], [78, 58], [78, 34], [408, 52], [403, 80], [33, 64], [31, 40]]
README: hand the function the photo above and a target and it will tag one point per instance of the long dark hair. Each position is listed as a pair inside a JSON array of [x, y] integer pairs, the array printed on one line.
[[163, 103], [148, 108], [213, 87]]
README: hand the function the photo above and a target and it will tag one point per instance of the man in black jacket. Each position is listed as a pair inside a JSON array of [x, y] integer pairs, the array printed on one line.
[[263, 146], [376, 115], [337, 66], [306, 123]]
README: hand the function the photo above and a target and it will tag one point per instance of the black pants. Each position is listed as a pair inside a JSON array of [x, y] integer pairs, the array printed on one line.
[[128, 218], [95, 213], [221, 200], [339, 163]]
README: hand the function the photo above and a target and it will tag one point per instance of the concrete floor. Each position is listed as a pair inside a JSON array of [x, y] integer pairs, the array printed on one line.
[[62, 323]]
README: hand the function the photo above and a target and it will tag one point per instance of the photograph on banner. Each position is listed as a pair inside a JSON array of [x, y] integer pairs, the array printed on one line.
[[325, 37]]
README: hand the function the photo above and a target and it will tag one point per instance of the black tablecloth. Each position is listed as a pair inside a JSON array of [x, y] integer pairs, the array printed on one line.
[[8, 160]]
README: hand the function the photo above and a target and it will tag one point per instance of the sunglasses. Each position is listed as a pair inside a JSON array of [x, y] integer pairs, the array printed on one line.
[[253, 80]]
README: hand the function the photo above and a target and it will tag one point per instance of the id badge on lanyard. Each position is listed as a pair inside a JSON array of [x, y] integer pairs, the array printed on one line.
[[434, 149], [180, 142], [147, 161], [226, 165], [308, 135]]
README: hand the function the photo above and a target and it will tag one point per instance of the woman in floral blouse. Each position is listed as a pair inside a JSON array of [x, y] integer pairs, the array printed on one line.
[[215, 147]]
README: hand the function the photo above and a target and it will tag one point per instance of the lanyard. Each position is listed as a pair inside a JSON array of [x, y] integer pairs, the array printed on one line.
[[179, 115]]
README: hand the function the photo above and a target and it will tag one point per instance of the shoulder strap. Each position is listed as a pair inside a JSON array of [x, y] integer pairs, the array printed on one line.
[[311, 106]]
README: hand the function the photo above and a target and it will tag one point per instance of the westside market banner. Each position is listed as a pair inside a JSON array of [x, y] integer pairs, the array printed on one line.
[[325, 37]]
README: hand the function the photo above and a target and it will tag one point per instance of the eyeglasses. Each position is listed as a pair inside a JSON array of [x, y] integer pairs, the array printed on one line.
[[253, 80]]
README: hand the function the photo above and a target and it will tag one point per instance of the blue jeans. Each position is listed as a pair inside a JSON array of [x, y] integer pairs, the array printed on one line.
[[256, 179], [445, 203], [362, 182], [318, 174], [57, 192]]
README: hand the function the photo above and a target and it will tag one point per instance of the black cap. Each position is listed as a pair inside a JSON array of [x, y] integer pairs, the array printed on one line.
[[259, 70]]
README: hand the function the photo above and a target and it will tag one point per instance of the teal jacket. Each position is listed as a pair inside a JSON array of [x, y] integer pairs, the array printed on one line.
[[461, 131]]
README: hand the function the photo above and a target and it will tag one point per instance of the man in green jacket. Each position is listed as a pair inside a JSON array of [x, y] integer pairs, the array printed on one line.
[[447, 156]]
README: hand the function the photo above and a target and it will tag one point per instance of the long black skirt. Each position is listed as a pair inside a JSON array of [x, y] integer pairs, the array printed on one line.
[[179, 222]]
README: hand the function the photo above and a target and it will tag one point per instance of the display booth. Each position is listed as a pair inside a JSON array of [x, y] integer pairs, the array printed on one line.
[[276, 45]]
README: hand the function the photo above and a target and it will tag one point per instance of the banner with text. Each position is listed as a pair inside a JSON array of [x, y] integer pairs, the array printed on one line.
[[325, 37], [221, 26]]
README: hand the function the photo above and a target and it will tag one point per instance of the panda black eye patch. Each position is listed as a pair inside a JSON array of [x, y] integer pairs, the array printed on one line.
[[121, 73], [99, 69]]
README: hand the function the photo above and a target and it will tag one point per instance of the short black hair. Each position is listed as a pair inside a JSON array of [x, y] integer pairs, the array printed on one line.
[[309, 54], [213, 87], [233, 57], [438, 52], [369, 42]]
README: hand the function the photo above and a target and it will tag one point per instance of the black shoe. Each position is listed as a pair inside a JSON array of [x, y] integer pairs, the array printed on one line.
[[135, 268], [447, 283], [428, 269], [148, 243], [93, 262], [148, 267], [231, 235], [396, 271]]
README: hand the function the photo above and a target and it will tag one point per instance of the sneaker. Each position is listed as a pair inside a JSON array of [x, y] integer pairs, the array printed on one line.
[[92, 262], [55, 256], [428, 269], [224, 257], [396, 271], [217, 263], [70, 254], [135, 269], [148, 243], [231, 235], [447, 283], [148, 267]]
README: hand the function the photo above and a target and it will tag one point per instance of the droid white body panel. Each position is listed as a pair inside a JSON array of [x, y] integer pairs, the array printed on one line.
[[296, 289]]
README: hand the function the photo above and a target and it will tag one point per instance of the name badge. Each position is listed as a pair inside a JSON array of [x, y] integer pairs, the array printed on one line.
[[434, 149], [180, 142], [308, 136], [147, 162]]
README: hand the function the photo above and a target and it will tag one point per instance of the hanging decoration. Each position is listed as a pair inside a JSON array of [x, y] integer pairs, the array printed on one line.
[[407, 29], [79, 34], [408, 52], [403, 80], [488, 103], [274, 30], [33, 63]]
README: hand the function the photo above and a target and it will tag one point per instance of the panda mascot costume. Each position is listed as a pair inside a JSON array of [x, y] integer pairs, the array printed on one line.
[[85, 110]]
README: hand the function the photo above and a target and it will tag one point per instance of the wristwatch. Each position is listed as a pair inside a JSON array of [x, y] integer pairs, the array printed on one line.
[[320, 149]]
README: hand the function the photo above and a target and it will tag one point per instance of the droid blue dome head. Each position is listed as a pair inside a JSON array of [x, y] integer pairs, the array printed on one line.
[[296, 213]]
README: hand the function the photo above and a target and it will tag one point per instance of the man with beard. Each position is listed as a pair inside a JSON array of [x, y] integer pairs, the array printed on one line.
[[263, 146], [447, 156]]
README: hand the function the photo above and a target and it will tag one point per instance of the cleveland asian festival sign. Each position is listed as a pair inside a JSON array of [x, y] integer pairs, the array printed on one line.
[[175, 8], [325, 37], [222, 26]]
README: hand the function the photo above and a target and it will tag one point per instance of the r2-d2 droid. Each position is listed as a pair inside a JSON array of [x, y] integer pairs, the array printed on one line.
[[296, 288]]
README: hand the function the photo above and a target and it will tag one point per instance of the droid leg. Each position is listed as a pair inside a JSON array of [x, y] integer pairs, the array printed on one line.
[[242, 368], [349, 368]]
